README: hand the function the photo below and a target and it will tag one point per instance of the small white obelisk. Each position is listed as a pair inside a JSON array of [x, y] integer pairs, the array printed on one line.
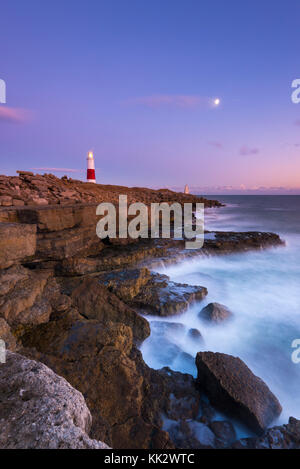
[[186, 189]]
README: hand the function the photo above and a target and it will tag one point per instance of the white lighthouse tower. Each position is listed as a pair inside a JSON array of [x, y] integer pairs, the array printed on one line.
[[186, 189], [90, 176]]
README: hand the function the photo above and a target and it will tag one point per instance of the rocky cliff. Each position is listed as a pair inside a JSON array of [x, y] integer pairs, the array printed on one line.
[[74, 303]]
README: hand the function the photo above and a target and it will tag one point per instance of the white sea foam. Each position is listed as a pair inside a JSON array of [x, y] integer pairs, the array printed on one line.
[[262, 290]]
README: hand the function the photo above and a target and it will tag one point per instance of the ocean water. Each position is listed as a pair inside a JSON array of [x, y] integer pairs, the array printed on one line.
[[261, 288]]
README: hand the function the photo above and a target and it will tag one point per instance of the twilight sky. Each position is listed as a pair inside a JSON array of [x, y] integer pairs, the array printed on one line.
[[133, 80]]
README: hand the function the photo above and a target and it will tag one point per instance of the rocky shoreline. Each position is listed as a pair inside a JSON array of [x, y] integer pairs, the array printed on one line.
[[73, 313]]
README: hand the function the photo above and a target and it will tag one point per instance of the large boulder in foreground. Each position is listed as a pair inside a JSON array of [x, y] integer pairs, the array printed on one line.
[[215, 312], [233, 388], [41, 410]]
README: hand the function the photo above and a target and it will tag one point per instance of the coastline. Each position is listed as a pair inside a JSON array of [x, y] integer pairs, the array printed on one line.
[[73, 302]]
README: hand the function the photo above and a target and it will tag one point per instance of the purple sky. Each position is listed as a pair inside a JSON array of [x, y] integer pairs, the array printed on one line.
[[134, 81]]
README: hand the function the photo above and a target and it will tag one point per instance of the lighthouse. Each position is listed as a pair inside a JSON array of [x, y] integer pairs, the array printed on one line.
[[186, 189], [90, 177]]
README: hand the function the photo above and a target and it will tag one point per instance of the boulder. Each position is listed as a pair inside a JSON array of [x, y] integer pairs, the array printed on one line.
[[233, 388], [40, 410], [215, 312]]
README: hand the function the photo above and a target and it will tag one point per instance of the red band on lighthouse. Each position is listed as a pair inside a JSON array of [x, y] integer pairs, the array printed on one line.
[[90, 176]]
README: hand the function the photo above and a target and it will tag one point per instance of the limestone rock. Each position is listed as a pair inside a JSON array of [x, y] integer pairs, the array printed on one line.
[[94, 301], [102, 362], [40, 410], [17, 243], [29, 297], [5, 200], [95, 358], [162, 297], [126, 284]]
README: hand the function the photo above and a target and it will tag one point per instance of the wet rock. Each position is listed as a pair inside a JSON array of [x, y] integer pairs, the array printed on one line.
[[186, 361], [165, 298], [94, 301], [226, 241], [207, 411], [152, 293], [224, 432], [167, 392], [196, 336], [17, 243], [167, 329], [191, 434], [165, 352], [203, 434], [215, 312], [232, 387], [280, 437], [39, 409]]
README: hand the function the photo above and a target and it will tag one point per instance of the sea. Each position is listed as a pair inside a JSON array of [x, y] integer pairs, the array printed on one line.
[[261, 288]]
